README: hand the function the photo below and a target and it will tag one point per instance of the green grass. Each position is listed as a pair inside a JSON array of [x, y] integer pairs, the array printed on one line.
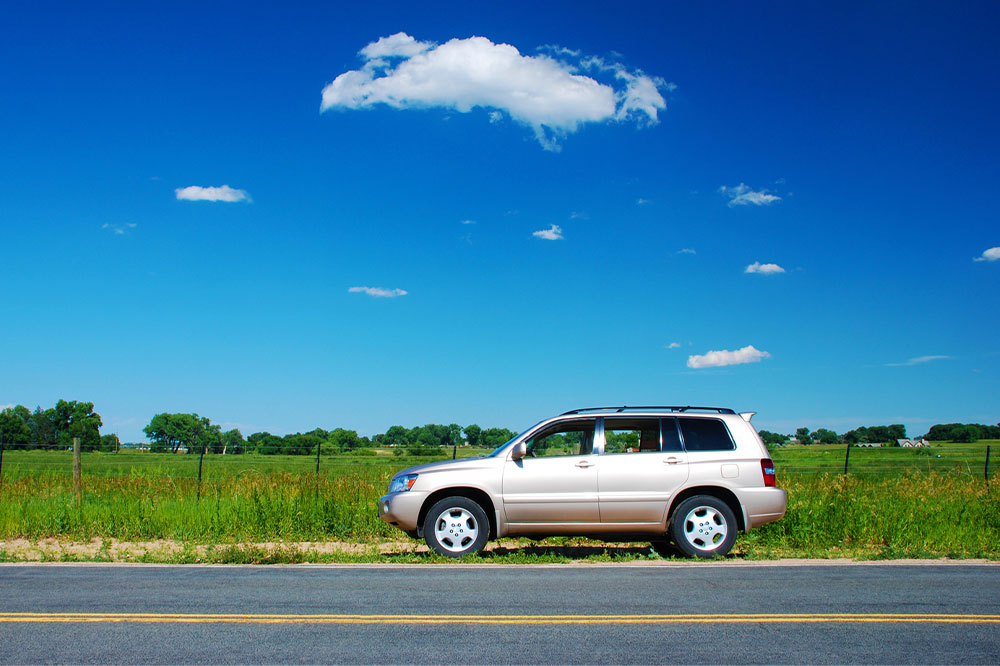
[[895, 503]]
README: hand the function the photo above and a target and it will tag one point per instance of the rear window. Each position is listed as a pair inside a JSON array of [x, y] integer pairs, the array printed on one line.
[[705, 435]]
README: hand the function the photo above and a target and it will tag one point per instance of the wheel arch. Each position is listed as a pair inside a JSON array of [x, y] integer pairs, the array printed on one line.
[[477, 495], [719, 492]]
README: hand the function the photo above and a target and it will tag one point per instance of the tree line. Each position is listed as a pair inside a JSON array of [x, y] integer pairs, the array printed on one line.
[[190, 433], [55, 427], [951, 432]]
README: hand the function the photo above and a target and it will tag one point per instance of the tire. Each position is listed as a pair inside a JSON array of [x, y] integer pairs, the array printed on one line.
[[703, 526], [456, 526]]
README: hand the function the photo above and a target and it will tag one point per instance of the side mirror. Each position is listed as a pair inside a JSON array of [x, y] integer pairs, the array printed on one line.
[[519, 451]]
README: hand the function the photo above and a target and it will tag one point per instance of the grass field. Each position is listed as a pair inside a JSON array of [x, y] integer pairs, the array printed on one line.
[[894, 503]]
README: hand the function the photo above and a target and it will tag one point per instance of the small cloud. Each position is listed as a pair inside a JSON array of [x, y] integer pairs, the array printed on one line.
[[917, 361], [991, 254], [552, 233], [686, 250], [119, 229], [495, 117], [642, 202], [674, 345], [717, 359], [223, 193], [742, 195], [763, 269], [467, 222], [578, 216], [378, 292]]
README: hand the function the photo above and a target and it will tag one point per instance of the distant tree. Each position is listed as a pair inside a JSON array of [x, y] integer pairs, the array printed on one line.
[[472, 434], [772, 438], [494, 437], [342, 440], [824, 436], [233, 442], [110, 442], [802, 435], [169, 432], [299, 444], [396, 436], [14, 430]]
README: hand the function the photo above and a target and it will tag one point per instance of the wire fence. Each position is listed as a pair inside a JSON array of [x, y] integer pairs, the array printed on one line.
[[966, 459]]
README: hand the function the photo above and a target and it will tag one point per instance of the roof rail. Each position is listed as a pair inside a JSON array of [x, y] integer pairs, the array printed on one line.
[[657, 408]]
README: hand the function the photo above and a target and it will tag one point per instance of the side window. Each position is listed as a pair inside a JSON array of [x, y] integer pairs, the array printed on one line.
[[623, 435], [705, 435], [573, 438], [671, 439]]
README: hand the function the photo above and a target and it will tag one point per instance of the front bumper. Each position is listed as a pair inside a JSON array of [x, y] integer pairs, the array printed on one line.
[[402, 510]]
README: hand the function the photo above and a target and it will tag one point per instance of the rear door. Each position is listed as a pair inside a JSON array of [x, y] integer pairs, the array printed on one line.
[[641, 467]]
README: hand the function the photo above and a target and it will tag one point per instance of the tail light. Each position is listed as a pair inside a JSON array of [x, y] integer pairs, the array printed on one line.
[[767, 469]]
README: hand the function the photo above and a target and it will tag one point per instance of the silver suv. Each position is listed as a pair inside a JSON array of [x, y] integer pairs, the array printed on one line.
[[685, 478]]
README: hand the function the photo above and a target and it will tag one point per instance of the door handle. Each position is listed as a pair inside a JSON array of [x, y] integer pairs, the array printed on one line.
[[671, 460], [584, 463]]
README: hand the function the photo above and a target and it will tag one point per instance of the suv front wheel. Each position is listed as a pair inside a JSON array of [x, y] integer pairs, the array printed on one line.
[[703, 526], [456, 526]]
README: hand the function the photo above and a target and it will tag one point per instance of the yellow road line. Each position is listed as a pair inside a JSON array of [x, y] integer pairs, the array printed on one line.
[[503, 619]]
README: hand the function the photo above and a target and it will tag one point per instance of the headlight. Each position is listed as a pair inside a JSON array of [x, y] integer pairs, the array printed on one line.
[[402, 483]]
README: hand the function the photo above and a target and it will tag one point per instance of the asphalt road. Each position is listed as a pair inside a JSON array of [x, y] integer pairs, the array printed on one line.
[[557, 614]]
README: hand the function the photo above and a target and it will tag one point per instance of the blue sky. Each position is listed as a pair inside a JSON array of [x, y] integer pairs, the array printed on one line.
[[572, 222]]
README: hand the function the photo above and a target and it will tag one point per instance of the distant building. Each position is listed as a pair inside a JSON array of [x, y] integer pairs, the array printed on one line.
[[869, 444], [912, 443]]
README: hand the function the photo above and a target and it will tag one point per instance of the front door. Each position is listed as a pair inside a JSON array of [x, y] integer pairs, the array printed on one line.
[[555, 484]]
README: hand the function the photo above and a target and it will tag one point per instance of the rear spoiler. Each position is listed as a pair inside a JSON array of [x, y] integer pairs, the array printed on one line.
[[747, 416]]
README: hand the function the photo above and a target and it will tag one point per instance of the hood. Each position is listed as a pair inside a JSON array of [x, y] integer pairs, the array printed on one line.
[[448, 465]]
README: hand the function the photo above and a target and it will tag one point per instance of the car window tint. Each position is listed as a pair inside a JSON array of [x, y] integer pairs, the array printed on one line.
[[573, 438], [671, 439], [631, 435], [705, 435]]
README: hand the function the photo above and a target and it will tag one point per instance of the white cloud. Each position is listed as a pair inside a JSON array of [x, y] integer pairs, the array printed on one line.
[[641, 202], [917, 361], [399, 45], [716, 359], [224, 193], [764, 269], [991, 254], [742, 195], [118, 229], [545, 92], [674, 345], [553, 233], [468, 222], [686, 250], [378, 292]]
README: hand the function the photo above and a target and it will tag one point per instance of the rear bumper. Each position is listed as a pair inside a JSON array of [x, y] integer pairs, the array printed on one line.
[[402, 510], [763, 505]]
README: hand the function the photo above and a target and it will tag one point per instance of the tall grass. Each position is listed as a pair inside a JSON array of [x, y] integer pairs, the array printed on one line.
[[127, 497], [911, 515]]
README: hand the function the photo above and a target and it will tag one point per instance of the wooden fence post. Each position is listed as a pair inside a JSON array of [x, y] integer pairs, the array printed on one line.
[[1, 463], [201, 458], [847, 457], [77, 470], [986, 468]]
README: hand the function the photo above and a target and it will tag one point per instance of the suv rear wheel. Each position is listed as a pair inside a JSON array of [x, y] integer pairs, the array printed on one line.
[[703, 526], [456, 526]]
